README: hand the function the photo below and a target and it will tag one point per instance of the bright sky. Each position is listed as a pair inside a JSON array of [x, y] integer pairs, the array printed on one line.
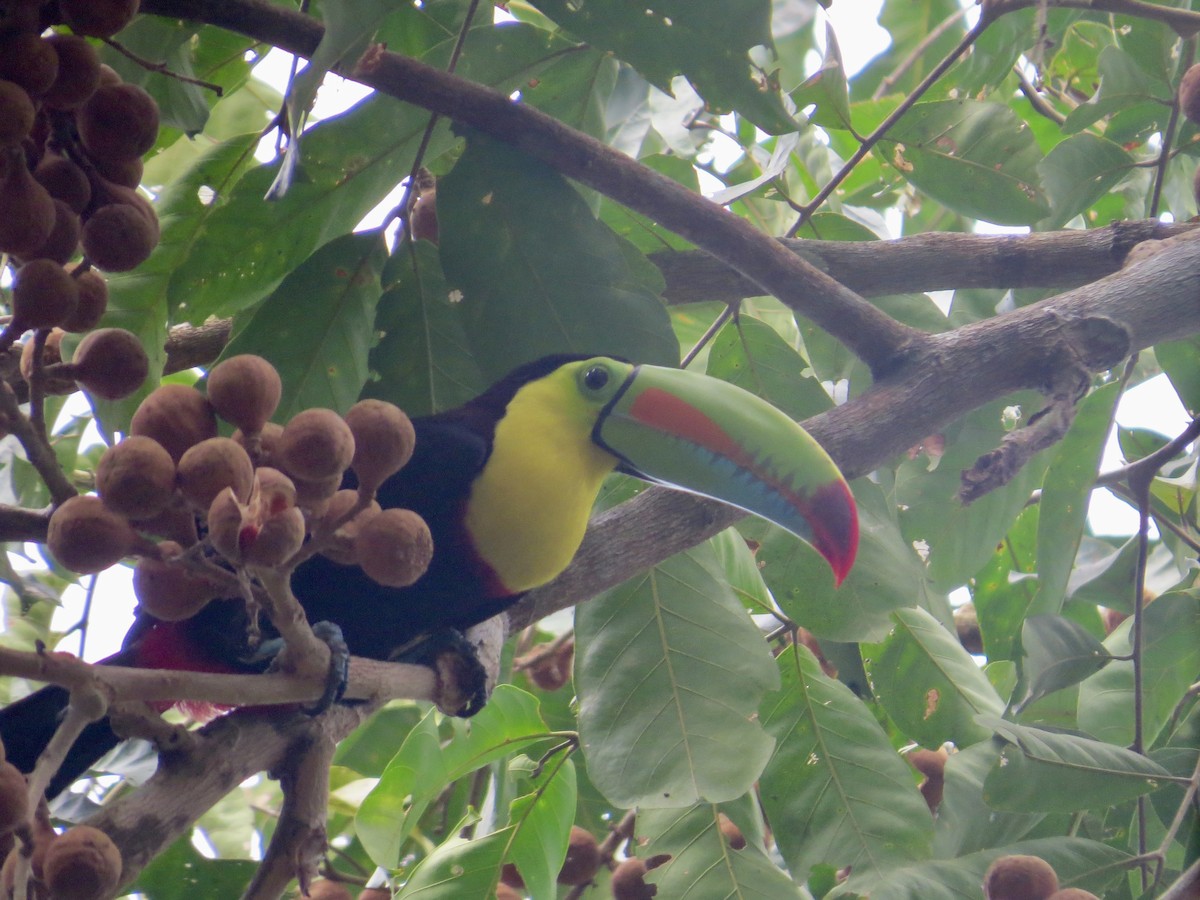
[[1153, 405]]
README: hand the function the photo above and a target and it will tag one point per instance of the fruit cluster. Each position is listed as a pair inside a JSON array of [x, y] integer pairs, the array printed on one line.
[[82, 863], [1021, 877], [259, 494], [72, 136]]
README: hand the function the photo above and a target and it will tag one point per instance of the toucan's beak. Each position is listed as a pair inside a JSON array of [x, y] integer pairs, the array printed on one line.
[[712, 438]]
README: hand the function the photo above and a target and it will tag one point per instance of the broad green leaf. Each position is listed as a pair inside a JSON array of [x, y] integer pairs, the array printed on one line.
[[1123, 84], [537, 272], [369, 748], [827, 88], [1005, 587], [542, 820], [887, 573], [424, 765], [706, 40], [1170, 661], [182, 873], [1079, 171], [965, 824], [1065, 494], [749, 353], [421, 362], [836, 791], [1181, 361], [1045, 771], [702, 863], [1077, 861], [977, 158], [459, 868], [1058, 654], [669, 671], [929, 685], [318, 325], [1103, 573]]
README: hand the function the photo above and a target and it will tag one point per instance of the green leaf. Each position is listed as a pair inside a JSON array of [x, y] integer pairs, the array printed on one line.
[[836, 791], [702, 864], [1004, 588], [930, 686], [709, 41], [1123, 84], [538, 273], [1170, 661], [1058, 654], [542, 821], [1045, 771], [317, 326], [422, 362], [669, 671], [423, 766], [827, 88], [1078, 172], [1065, 494], [181, 873], [1181, 361], [965, 824], [1077, 861], [887, 573], [459, 868], [979, 159]]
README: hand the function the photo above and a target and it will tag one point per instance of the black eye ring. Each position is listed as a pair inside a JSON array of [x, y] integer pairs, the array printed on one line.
[[595, 378]]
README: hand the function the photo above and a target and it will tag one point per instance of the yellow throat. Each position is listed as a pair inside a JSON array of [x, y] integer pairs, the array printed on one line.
[[529, 506]]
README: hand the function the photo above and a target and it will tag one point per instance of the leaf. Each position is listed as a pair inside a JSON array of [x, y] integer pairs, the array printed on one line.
[[181, 873], [317, 326], [422, 767], [702, 863], [979, 159], [1078, 172], [459, 868], [965, 824], [1004, 588], [1181, 361], [538, 273], [422, 362], [750, 354], [836, 791], [1077, 861], [709, 41], [1058, 654], [827, 88], [542, 820], [1045, 771], [930, 686], [1123, 84], [1170, 661], [669, 671]]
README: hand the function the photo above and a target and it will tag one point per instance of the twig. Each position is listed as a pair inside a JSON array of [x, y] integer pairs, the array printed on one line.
[[1168, 137], [38, 451], [1035, 98], [887, 82], [162, 68]]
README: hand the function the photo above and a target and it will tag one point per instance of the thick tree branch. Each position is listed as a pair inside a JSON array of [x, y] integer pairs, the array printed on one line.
[[870, 334]]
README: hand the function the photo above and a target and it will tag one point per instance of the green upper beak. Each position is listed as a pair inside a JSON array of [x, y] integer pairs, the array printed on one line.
[[709, 437]]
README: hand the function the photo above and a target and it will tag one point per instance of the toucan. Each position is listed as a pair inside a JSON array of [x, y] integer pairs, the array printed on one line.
[[506, 484]]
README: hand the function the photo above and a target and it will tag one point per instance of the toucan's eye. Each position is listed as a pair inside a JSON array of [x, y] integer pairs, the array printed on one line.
[[595, 378]]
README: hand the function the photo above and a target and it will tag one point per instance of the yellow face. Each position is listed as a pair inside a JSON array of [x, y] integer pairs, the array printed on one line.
[[529, 508]]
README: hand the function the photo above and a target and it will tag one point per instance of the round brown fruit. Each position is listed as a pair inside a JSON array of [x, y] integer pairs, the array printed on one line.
[[78, 72], [277, 539], [340, 546], [383, 441], [25, 58], [177, 416], [1019, 877], [43, 294], [375, 894], [273, 491], [51, 354], [207, 468], [167, 590], [262, 447], [504, 891], [227, 526], [110, 363], [732, 834], [64, 181], [136, 477], [315, 445], [83, 864], [1072, 894], [118, 237], [629, 881], [93, 301], [98, 18], [14, 798], [931, 764], [124, 172], [28, 209], [323, 889], [118, 121], [63, 241], [1189, 93], [510, 875], [16, 114], [394, 547], [583, 858], [245, 391], [87, 537], [553, 671]]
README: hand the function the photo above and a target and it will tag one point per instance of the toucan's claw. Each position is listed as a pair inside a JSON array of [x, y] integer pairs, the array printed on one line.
[[339, 667], [462, 678]]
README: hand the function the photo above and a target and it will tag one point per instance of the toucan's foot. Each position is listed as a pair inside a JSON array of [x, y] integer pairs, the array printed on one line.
[[339, 667], [339, 663], [462, 678]]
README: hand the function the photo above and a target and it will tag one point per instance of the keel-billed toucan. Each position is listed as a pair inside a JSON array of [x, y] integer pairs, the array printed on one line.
[[506, 483]]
